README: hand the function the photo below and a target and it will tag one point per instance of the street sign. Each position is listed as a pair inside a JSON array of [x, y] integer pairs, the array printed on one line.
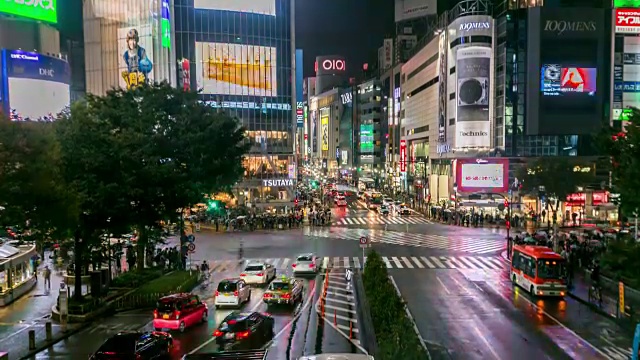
[[364, 242], [191, 247], [191, 238]]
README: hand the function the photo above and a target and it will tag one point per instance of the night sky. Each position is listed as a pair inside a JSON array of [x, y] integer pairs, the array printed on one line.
[[352, 28]]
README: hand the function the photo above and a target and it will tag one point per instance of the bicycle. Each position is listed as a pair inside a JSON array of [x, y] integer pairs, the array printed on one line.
[[595, 294]]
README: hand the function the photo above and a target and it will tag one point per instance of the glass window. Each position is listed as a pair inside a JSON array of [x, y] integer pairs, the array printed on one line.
[[226, 286], [549, 269], [279, 286]]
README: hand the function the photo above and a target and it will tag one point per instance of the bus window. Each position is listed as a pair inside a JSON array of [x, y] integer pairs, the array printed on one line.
[[549, 269], [529, 267]]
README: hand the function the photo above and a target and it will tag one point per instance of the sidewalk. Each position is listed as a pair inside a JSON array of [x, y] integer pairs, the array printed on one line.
[[31, 312]]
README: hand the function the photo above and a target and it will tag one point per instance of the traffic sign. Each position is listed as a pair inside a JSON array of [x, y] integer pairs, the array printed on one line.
[[191, 247], [364, 242], [191, 238]]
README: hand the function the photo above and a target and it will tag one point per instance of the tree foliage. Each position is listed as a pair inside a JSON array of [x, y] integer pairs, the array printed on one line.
[[136, 156], [558, 176], [623, 149], [32, 193]]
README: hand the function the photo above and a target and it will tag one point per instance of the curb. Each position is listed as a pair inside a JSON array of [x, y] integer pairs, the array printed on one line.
[[505, 257], [592, 306], [47, 345]]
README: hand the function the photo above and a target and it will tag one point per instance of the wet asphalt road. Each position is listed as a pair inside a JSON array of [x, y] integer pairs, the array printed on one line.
[[461, 312]]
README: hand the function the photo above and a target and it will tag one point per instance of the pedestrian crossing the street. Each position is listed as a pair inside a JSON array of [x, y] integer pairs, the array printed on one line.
[[381, 220], [476, 244], [392, 262]]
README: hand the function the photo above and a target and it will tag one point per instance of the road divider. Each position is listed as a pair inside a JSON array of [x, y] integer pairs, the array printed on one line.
[[386, 306]]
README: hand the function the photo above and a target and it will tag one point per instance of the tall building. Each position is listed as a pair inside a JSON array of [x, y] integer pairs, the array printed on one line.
[[32, 62], [127, 42], [240, 56]]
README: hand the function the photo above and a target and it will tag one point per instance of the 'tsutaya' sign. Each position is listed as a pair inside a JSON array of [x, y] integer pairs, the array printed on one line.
[[277, 182]]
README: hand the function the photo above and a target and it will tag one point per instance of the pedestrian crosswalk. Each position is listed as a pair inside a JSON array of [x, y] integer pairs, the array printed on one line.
[[337, 306], [392, 262], [616, 353], [382, 220], [482, 244]]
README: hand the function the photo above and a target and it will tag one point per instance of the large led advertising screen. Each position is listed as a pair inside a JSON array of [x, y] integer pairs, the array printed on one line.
[[36, 87], [236, 69], [366, 138], [267, 7], [44, 10], [482, 175], [135, 45], [560, 80]]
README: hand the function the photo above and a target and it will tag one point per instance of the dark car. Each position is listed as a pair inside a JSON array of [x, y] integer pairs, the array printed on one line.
[[244, 330], [136, 345]]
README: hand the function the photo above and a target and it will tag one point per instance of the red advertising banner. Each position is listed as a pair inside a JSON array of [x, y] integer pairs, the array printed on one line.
[[577, 199], [482, 175], [627, 21], [403, 156]]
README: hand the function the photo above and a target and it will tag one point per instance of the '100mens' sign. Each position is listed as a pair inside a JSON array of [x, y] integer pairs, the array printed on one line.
[[474, 26]]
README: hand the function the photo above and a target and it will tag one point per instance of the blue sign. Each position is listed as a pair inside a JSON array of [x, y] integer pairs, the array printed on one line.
[[299, 75], [27, 65], [628, 86], [636, 343]]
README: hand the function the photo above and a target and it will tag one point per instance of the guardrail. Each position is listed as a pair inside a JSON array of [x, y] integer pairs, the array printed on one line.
[[365, 328]]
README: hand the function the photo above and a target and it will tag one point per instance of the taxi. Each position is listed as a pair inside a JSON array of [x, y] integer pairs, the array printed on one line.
[[287, 291]]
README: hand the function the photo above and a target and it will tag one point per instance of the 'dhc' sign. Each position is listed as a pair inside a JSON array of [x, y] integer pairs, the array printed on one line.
[[627, 21]]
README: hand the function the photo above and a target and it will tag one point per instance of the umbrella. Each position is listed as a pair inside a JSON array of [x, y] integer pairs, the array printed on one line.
[[530, 240]]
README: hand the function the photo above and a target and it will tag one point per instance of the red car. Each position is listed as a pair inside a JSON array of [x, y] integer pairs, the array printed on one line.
[[179, 311]]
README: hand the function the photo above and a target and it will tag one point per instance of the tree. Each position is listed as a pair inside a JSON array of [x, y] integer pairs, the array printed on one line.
[[32, 194], [136, 156], [623, 148], [555, 177]]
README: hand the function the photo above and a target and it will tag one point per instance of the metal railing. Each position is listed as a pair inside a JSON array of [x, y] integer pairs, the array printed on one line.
[[367, 333]]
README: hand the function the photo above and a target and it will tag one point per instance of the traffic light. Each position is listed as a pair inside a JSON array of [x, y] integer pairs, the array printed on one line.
[[508, 224], [506, 203], [296, 202]]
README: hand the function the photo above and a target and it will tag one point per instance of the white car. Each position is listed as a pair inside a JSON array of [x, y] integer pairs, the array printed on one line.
[[232, 292], [388, 201], [306, 264], [258, 273]]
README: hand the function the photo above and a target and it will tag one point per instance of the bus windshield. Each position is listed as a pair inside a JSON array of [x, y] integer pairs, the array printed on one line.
[[550, 269]]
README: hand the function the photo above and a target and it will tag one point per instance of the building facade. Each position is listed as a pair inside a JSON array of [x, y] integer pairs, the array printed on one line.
[[241, 58], [372, 141]]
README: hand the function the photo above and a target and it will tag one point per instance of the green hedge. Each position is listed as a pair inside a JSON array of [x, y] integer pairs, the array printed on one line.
[[177, 281], [394, 330], [620, 261], [133, 279]]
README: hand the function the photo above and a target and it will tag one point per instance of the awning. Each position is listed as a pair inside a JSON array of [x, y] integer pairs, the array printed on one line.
[[7, 251]]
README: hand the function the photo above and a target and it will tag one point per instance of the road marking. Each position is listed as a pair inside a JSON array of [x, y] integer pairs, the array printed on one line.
[[413, 321], [418, 263], [486, 342], [427, 262], [443, 286], [212, 339], [304, 307], [407, 262], [397, 262], [325, 263]]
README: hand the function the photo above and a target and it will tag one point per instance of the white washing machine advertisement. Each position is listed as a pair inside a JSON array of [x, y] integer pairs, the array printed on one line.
[[473, 125]]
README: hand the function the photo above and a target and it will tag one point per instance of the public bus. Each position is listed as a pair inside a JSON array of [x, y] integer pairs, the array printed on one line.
[[538, 270]]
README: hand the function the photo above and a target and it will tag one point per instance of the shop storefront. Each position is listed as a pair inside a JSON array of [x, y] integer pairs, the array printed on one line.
[[17, 265], [590, 207]]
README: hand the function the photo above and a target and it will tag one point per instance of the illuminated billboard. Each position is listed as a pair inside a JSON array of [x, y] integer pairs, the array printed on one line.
[[44, 10], [626, 3], [482, 175], [366, 138], [473, 69], [559, 80], [236, 69], [36, 86], [324, 121], [136, 61], [267, 7]]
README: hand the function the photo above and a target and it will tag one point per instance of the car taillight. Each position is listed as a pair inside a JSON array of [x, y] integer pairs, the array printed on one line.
[[217, 293], [243, 274], [266, 296], [155, 314], [138, 357], [177, 314], [217, 333], [243, 334], [260, 274], [294, 265], [312, 265], [109, 353], [235, 293], [286, 296]]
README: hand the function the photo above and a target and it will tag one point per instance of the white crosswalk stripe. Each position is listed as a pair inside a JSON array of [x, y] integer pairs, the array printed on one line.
[[381, 220], [393, 262], [616, 353], [478, 245]]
